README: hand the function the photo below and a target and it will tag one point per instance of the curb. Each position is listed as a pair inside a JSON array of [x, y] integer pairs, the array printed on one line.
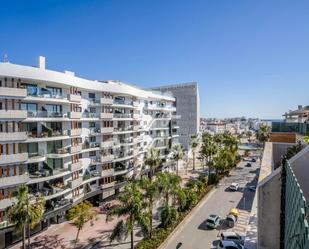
[[187, 217]]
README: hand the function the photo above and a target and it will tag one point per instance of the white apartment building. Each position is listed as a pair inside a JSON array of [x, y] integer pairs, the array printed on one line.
[[71, 139]]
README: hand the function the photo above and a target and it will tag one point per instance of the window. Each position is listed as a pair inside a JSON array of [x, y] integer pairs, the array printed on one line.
[[53, 108], [91, 95], [54, 91], [92, 139], [92, 109], [92, 153]]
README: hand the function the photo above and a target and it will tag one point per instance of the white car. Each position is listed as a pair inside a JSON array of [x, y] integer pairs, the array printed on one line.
[[232, 236], [234, 186], [228, 244]]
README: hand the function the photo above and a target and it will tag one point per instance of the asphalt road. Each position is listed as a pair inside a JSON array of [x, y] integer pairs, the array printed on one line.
[[194, 234]]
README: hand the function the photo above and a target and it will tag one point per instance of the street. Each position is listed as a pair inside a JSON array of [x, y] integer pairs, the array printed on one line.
[[193, 234]]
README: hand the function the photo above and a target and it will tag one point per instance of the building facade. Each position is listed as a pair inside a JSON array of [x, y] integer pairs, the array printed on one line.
[[188, 109], [71, 139]]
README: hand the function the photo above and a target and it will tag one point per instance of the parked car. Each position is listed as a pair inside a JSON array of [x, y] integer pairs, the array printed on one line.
[[228, 244], [231, 220], [253, 160], [248, 165], [213, 221], [234, 186], [232, 236]]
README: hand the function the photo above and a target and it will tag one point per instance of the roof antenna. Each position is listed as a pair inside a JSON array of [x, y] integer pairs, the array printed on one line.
[[5, 58]]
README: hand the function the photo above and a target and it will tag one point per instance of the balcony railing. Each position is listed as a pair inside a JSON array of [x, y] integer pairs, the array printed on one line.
[[75, 149], [13, 158], [75, 183], [107, 158], [13, 114], [300, 128], [76, 166], [106, 101], [90, 115], [123, 115], [75, 115], [74, 98], [13, 92], [75, 132], [123, 102], [104, 115], [45, 114], [107, 129], [13, 136]]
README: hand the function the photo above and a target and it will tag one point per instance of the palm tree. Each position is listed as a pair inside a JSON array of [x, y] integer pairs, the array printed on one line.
[[153, 160], [262, 134], [150, 193], [168, 216], [26, 212], [177, 154], [132, 208], [80, 215], [209, 149], [194, 143]]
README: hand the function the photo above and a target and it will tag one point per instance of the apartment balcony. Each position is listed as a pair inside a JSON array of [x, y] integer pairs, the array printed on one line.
[[75, 115], [107, 172], [104, 115], [106, 101], [107, 158], [75, 183], [13, 114], [13, 136], [13, 92], [45, 114], [106, 144], [108, 185], [10, 181], [75, 132], [90, 115], [122, 115], [76, 166], [13, 158], [123, 102], [74, 98], [136, 116], [135, 103], [299, 128], [75, 149], [107, 129]]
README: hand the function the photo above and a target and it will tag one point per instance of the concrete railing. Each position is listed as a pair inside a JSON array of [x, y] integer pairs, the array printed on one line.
[[75, 149], [75, 115], [107, 129], [107, 144], [106, 101], [76, 166], [76, 182], [13, 136], [13, 92], [106, 115], [13, 158], [75, 132], [74, 98], [13, 114], [107, 158]]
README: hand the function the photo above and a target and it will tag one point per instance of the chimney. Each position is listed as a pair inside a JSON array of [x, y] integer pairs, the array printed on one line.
[[41, 62]]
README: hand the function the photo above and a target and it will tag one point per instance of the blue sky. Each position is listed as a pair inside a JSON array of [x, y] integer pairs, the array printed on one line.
[[250, 58]]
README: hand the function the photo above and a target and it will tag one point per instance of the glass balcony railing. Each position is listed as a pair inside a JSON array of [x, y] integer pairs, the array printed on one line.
[[45, 114], [123, 102], [44, 93], [123, 115], [300, 128]]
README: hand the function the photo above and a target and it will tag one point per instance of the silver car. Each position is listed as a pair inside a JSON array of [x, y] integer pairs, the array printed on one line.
[[232, 236]]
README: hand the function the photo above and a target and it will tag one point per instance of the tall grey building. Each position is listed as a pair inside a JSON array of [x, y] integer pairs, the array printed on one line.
[[187, 106]]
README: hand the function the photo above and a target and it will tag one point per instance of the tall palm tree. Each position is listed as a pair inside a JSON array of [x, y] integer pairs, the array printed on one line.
[[262, 134], [194, 143], [153, 160], [26, 212], [150, 192], [209, 149], [177, 154], [80, 215], [132, 208]]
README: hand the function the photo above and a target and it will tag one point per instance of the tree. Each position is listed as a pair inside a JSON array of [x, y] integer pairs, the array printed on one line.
[[150, 193], [132, 209], [194, 143], [168, 184], [262, 134], [168, 216], [153, 160], [209, 149], [80, 215], [177, 154], [26, 212]]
